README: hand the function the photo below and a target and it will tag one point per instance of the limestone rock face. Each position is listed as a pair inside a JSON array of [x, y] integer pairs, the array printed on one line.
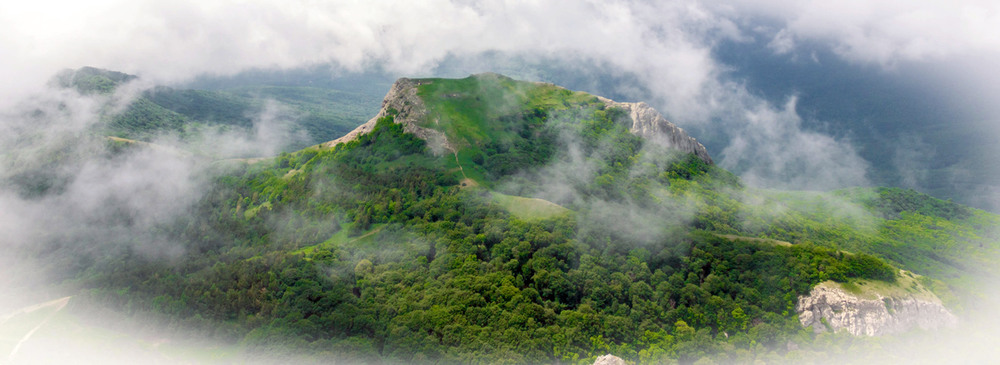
[[609, 359], [409, 108], [651, 125], [869, 317]]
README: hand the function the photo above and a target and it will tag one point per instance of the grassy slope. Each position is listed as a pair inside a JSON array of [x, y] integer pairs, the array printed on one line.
[[468, 110], [529, 208], [488, 110], [908, 285]]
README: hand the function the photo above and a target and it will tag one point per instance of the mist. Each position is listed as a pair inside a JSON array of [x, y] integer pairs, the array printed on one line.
[[76, 202]]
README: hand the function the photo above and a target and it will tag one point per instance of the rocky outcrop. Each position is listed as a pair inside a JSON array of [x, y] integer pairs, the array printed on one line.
[[402, 99], [829, 307], [651, 125], [609, 359]]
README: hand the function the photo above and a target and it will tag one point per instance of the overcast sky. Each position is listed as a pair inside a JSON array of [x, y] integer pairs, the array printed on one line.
[[670, 47], [670, 41]]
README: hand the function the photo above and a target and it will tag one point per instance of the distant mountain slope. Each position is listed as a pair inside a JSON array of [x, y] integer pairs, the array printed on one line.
[[318, 113]]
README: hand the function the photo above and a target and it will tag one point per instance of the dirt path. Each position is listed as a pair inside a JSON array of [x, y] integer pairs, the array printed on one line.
[[733, 237], [466, 181], [59, 304], [460, 166], [374, 231]]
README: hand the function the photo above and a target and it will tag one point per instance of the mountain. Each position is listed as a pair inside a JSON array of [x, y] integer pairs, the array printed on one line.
[[492, 220]]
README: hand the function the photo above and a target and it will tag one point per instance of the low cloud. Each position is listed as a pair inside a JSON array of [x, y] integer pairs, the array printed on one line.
[[770, 148], [910, 159], [66, 187], [883, 33], [273, 130], [572, 179]]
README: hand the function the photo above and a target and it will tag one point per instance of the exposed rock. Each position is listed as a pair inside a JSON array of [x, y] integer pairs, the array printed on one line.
[[403, 100], [609, 359], [881, 315], [651, 125]]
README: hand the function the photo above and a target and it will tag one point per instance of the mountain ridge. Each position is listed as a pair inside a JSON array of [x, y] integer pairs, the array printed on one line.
[[403, 101]]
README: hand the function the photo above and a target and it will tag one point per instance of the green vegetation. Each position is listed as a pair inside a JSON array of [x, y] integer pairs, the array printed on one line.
[[907, 284], [529, 208], [595, 241], [484, 109], [144, 120], [89, 80], [499, 124]]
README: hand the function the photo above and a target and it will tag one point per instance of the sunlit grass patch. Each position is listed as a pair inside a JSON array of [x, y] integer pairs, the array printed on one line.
[[529, 208]]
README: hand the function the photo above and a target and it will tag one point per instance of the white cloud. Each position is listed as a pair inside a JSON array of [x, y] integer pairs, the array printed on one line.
[[176, 40], [782, 43], [772, 149], [886, 32]]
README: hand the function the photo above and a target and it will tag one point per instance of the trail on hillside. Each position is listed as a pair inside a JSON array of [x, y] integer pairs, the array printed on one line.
[[59, 304], [374, 231], [460, 166], [466, 181]]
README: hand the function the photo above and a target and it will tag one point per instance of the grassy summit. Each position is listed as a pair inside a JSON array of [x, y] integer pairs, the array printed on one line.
[[485, 109]]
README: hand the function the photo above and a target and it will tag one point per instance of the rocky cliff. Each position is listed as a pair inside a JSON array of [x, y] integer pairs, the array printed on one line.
[[410, 110], [609, 359], [651, 125], [829, 307]]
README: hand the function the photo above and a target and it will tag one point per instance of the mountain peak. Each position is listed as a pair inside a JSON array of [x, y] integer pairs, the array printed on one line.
[[491, 95], [408, 108]]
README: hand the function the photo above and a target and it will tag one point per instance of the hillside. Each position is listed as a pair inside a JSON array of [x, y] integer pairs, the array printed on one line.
[[491, 220]]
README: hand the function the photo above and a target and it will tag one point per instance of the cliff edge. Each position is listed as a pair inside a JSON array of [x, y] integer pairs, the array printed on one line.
[[403, 101], [651, 125], [869, 313]]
